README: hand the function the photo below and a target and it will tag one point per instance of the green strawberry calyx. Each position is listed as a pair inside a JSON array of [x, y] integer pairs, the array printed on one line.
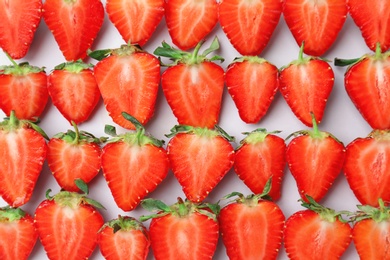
[[327, 214], [8, 214], [378, 214], [256, 136], [74, 66], [79, 137], [125, 223], [21, 69], [302, 60], [200, 131], [123, 50], [182, 208], [12, 123], [138, 137], [74, 199], [188, 58]]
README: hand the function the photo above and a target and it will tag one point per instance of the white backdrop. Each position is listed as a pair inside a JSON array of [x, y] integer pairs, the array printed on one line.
[[341, 118]]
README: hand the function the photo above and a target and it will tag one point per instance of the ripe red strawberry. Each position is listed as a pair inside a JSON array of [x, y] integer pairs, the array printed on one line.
[[135, 20], [367, 84], [252, 83], [133, 164], [316, 233], [367, 167], [306, 84], [72, 85], [373, 19], [18, 234], [22, 154], [74, 155], [128, 79], [371, 231], [74, 24], [189, 22], [249, 25], [124, 238], [260, 156], [200, 158], [315, 159], [19, 21], [316, 23], [184, 230], [241, 221], [193, 85], [23, 89], [68, 224]]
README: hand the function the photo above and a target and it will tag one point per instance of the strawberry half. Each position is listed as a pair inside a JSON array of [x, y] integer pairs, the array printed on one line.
[[306, 84], [367, 168], [315, 159], [184, 230], [316, 23], [249, 25], [240, 222], [124, 238], [74, 25], [252, 82], [68, 224], [316, 233], [19, 22], [23, 89], [22, 154], [189, 22], [193, 85], [367, 84], [373, 19], [260, 156], [74, 155], [371, 231], [18, 234], [135, 20], [72, 85], [128, 79], [199, 158], [133, 164]]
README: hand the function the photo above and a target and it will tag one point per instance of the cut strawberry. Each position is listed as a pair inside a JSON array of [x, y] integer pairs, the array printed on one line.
[[74, 25], [193, 85], [316, 233], [367, 84], [306, 84], [135, 20], [367, 167], [133, 164], [18, 234], [371, 231], [185, 230], [315, 159], [240, 222], [316, 23], [23, 89], [261, 156], [199, 158], [249, 25], [22, 154], [128, 79], [19, 22], [74, 155], [189, 22], [67, 224], [252, 83], [72, 85], [124, 238], [373, 19]]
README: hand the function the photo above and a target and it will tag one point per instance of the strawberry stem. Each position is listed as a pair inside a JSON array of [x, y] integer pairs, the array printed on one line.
[[300, 55]]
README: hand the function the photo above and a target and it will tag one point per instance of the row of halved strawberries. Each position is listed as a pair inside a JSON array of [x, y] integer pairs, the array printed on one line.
[[248, 25], [69, 225]]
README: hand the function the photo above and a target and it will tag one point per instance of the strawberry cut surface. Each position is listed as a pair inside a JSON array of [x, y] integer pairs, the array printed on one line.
[[19, 22], [137, 20]]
